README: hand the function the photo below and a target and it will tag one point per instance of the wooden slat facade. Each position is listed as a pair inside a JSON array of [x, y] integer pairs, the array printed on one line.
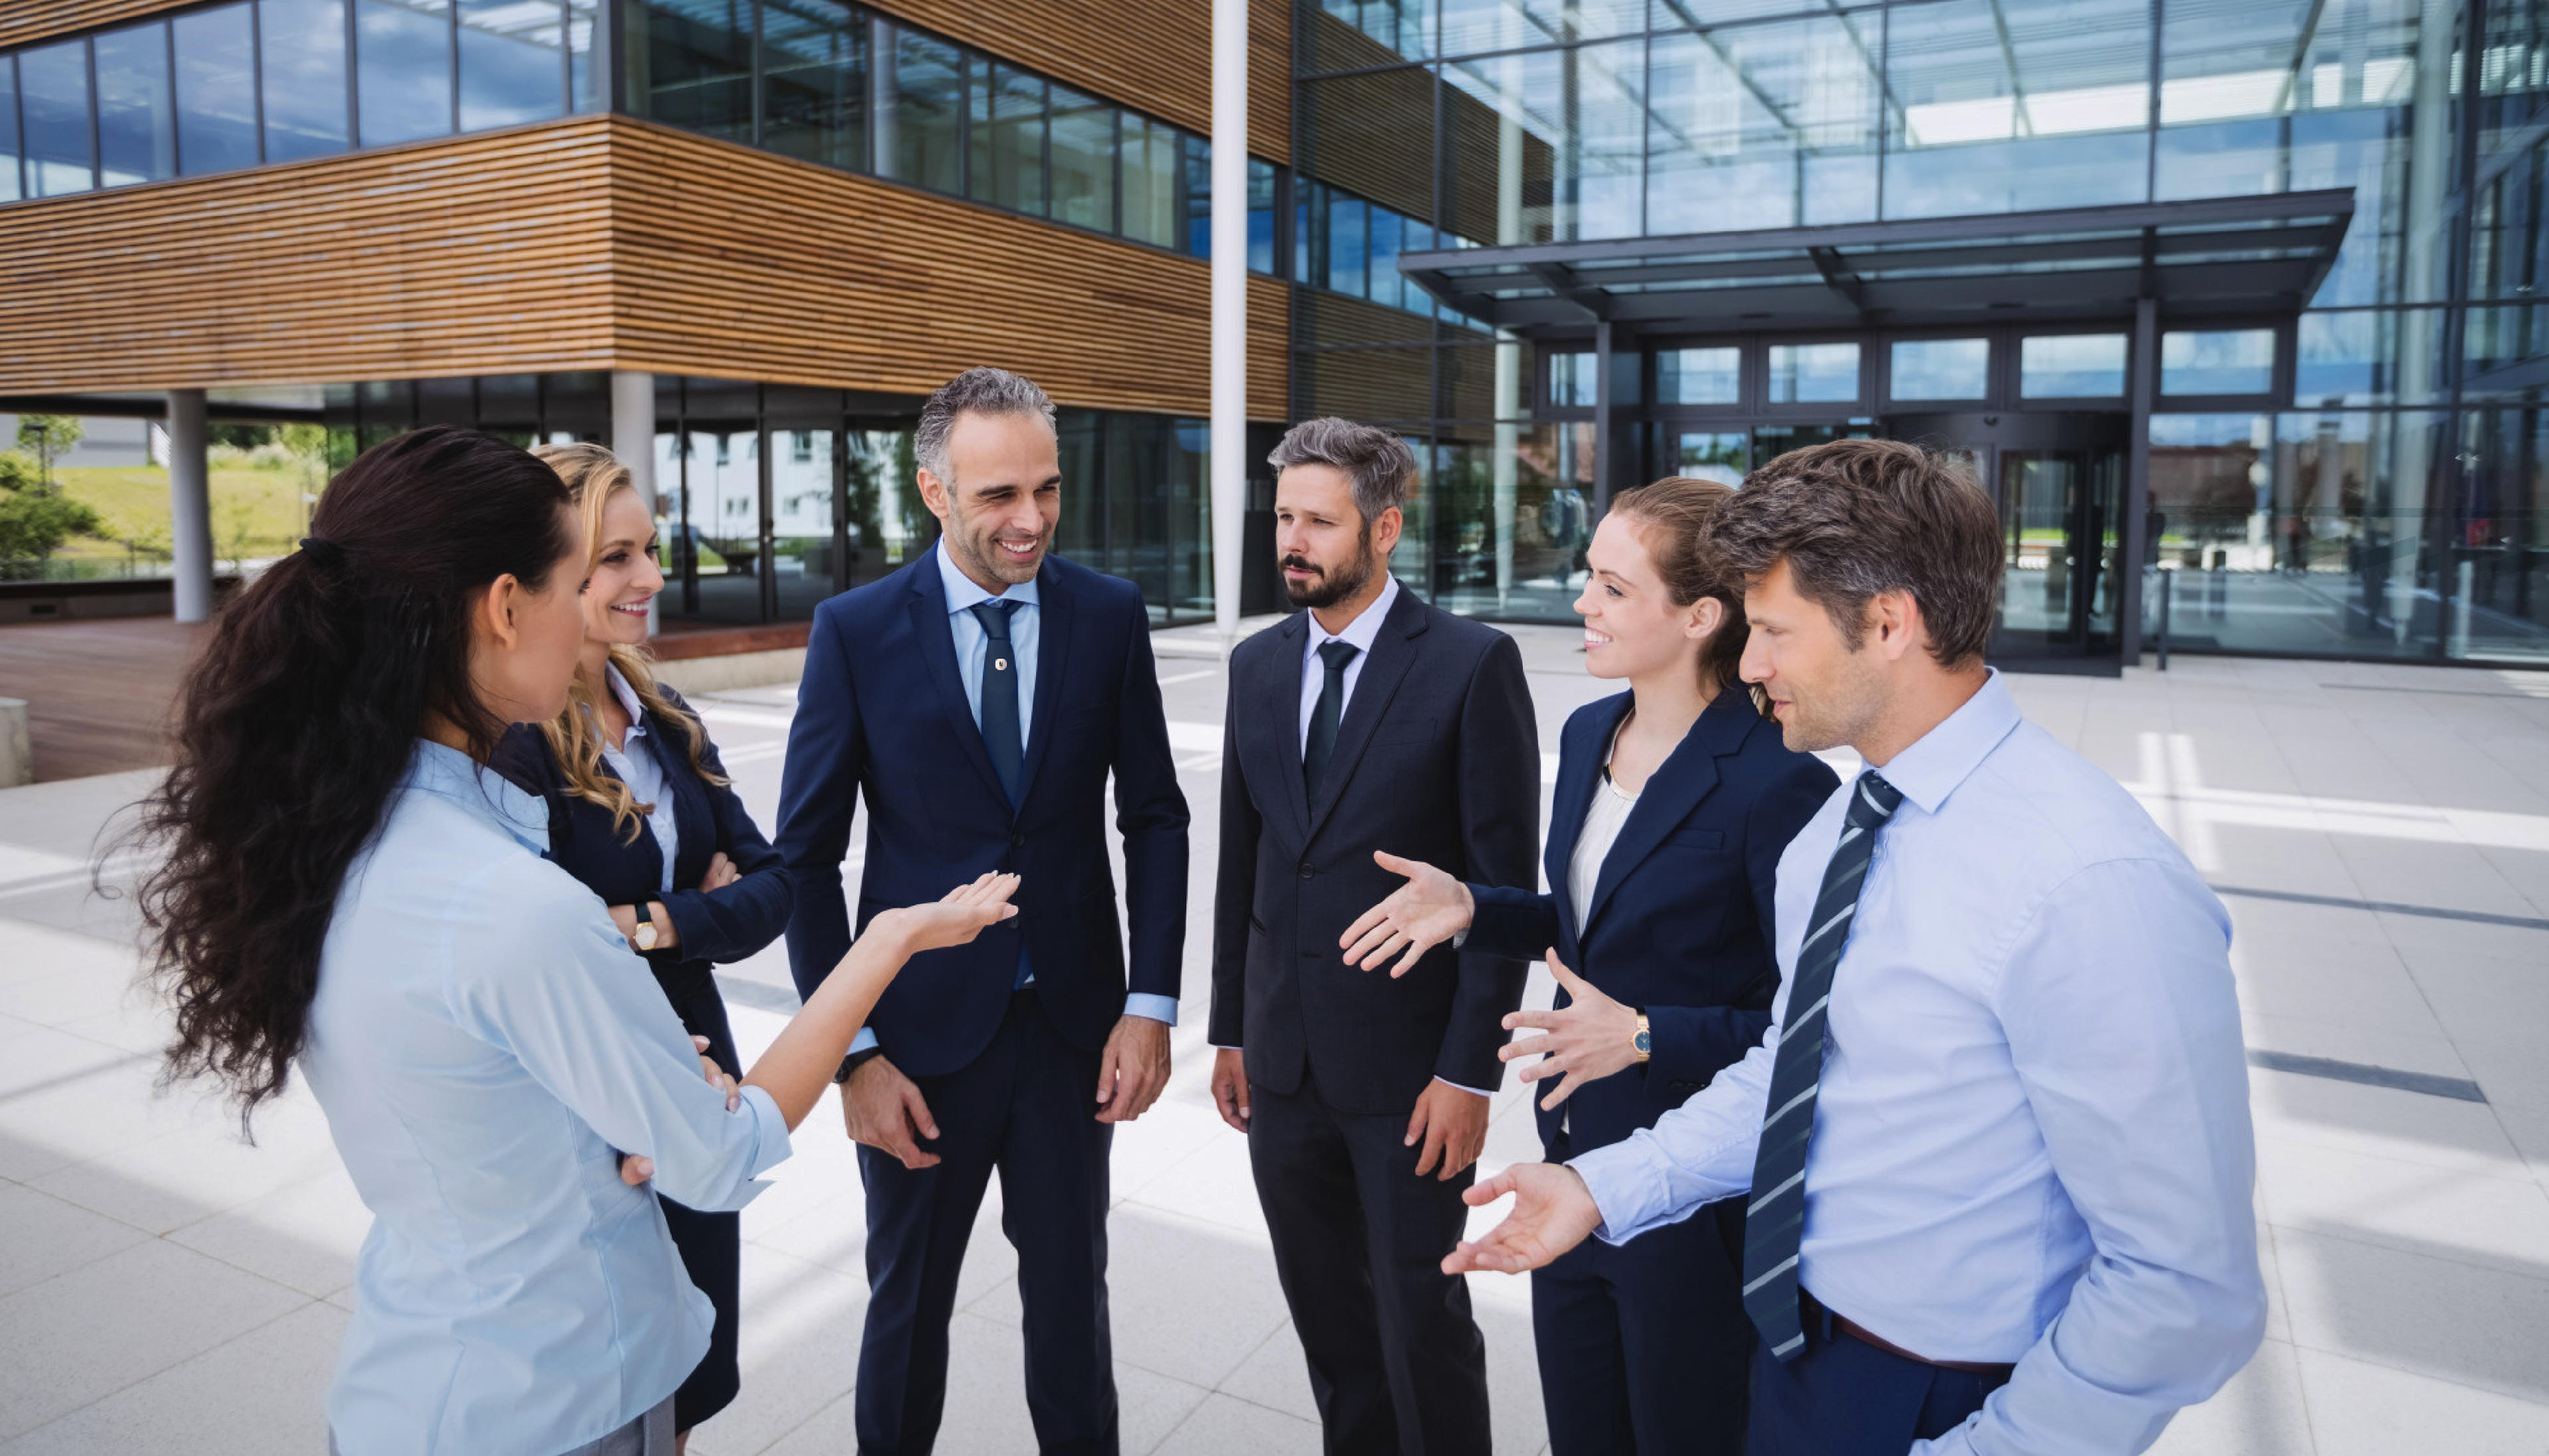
[[594, 244], [1155, 56]]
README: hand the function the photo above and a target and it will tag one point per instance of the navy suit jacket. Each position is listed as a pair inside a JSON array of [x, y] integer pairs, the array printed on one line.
[[1680, 920], [882, 712], [1437, 758], [715, 926]]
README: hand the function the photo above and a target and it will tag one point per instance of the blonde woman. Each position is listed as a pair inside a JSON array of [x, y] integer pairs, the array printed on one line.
[[641, 812]]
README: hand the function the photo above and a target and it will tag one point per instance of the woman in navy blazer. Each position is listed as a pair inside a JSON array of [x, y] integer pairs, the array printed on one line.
[[626, 770], [1674, 801]]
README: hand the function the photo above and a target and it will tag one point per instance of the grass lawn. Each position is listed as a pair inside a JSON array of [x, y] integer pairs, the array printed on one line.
[[256, 512]]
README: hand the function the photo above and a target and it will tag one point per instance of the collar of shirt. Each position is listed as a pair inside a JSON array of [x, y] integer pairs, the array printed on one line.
[[448, 772], [1362, 631], [963, 591], [1943, 758], [628, 696]]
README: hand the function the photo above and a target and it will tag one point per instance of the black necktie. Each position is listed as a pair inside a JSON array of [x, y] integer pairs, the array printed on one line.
[[1000, 720], [1323, 719], [1774, 1224]]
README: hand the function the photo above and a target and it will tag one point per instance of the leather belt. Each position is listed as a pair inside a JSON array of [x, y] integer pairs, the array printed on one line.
[[1860, 1332]]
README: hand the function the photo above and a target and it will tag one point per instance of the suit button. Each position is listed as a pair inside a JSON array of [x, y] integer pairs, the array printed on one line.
[[1018, 840], [1306, 871]]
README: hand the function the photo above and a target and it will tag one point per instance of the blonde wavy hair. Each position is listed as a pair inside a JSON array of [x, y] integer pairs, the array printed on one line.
[[594, 475]]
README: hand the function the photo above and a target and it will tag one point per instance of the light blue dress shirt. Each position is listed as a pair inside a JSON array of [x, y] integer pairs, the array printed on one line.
[[481, 1041], [1026, 628], [635, 763], [2032, 1143]]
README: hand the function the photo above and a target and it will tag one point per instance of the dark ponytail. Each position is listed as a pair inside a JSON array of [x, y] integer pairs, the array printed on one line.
[[299, 719]]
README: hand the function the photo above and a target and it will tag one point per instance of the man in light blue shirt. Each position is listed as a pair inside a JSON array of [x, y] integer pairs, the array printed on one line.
[[1996, 1138]]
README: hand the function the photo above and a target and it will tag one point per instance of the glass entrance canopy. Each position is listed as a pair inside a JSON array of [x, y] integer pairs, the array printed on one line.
[[2212, 258]]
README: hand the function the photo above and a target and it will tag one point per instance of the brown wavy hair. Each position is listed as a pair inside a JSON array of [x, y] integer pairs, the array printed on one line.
[[593, 475], [1673, 516], [297, 723]]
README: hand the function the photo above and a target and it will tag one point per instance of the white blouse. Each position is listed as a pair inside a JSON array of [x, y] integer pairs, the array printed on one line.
[[1602, 821], [638, 767]]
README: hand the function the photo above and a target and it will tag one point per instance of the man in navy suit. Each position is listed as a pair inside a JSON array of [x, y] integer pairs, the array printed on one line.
[[1371, 721], [978, 698]]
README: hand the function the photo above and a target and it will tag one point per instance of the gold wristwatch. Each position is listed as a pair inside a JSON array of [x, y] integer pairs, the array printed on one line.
[[647, 933], [1644, 1043]]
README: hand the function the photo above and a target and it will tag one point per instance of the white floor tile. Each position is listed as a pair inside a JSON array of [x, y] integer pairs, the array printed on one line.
[[2261, 1413], [47, 1237], [261, 1394], [2366, 1410]]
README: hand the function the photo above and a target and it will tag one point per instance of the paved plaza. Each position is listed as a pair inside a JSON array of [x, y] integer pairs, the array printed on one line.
[[2380, 835]]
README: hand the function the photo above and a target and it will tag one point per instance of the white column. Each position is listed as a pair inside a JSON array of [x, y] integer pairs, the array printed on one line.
[[190, 505], [633, 439], [1229, 307]]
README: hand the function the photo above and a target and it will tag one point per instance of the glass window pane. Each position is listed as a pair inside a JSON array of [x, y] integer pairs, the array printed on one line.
[[2071, 366], [815, 82], [53, 85], [304, 72], [921, 108], [1547, 146], [2229, 361], [2014, 108], [1083, 161], [1150, 181], [1764, 125], [2372, 357], [1722, 457], [10, 188], [216, 91], [1473, 25], [690, 64], [402, 70], [586, 80], [1699, 376], [513, 62], [136, 139], [1813, 373], [1347, 231], [1574, 381], [1940, 369], [1008, 137], [1388, 286], [1261, 215], [1198, 196]]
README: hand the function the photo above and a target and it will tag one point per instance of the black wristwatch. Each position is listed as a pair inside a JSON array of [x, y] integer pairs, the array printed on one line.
[[853, 1062]]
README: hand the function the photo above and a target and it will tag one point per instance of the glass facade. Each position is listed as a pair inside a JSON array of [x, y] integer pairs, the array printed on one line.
[[2363, 473], [221, 87]]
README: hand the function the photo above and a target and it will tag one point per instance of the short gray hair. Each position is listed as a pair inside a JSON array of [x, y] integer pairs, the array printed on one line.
[[1379, 463], [980, 390]]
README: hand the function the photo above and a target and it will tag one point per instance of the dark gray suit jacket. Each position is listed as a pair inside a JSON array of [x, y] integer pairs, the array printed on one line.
[[1437, 758]]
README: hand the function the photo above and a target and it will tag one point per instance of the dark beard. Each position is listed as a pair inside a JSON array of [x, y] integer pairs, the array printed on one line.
[[1330, 587]]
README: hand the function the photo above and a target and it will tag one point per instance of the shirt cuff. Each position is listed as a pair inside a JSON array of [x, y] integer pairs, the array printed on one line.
[[1152, 1006], [1626, 1191], [770, 1139], [1460, 938], [866, 1039], [1476, 1091]]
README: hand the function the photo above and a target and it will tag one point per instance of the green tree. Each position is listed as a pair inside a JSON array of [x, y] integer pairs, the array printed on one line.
[[47, 437], [34, 517]]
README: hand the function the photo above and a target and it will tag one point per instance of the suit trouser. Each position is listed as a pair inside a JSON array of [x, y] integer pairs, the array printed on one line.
[[1027, 1107], [1844, 1397], [1396, 1363], [1644, 1347]]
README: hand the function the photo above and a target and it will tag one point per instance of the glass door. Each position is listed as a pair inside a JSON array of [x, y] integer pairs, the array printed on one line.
[[2060, 514]]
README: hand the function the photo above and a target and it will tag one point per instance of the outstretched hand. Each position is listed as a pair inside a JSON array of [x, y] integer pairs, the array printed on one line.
[[1431, 908], [1589, 1038], [959, 916], [1553, 1213]]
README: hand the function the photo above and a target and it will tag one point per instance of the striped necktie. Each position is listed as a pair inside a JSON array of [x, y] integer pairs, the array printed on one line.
[[1775, 1221]]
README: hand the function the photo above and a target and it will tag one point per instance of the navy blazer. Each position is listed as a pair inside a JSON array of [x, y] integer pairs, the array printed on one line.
[[882, 712], [713, 927], [1680, 923], [1437, 758]]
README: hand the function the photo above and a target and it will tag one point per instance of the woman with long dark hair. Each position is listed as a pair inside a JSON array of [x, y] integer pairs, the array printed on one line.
[[349, 891], [1674, 801], [641, 812]]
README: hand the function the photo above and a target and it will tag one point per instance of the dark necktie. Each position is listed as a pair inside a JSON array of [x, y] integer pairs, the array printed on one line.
[[1000, 717], [1323, 717], [1775, 1221]]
